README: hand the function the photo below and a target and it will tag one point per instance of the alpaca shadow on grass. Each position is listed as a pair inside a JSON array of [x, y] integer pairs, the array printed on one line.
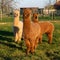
[[12, 45], [6, 38], [6, 33]]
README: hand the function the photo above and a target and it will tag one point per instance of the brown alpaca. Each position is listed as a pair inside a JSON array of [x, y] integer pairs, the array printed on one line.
[[46, 28], [31, 31]]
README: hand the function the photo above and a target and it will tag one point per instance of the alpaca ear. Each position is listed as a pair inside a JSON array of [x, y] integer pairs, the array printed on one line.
[[30, 8], [24, 9]]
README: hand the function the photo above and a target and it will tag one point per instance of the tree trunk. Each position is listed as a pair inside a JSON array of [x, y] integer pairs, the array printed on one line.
[[1, 14], [2, 2]]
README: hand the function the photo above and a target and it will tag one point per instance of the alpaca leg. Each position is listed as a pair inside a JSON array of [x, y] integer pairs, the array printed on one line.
[[40, 39], [36, 43], [16, 37], [19, 37], [15, 34], [50, 38], [28, 46], [32, 47]]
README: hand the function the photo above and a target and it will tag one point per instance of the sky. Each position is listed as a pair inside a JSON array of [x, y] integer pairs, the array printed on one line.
[[32, 3]]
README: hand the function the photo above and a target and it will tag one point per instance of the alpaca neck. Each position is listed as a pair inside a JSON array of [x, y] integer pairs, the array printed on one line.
[[16, 20], [27, 23]]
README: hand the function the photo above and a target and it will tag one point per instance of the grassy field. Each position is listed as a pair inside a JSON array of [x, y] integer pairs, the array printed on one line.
[[45, 18], [49, 18], [9, 50]]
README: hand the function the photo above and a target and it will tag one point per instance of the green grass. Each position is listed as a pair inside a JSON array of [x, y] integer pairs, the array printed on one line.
[[44, 18], [8, 19], [49, 18], [9, 50]]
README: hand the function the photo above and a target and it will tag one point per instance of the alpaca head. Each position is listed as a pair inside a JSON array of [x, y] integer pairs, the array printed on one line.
[[16, 13], [26, 12], [35, 16]]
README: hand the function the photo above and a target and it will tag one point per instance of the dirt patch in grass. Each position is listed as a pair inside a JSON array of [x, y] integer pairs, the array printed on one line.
[[3, 23]]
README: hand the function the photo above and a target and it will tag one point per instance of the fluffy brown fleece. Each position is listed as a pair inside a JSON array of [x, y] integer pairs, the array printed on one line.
[[46, 28], [31, 31]]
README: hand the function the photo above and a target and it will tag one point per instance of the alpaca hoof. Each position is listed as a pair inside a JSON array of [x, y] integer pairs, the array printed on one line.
[[32, 53], [15, 41], [18, 42], [27, 53]]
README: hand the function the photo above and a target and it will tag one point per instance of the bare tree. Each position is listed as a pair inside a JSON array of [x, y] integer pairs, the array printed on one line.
[[6, 6]]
